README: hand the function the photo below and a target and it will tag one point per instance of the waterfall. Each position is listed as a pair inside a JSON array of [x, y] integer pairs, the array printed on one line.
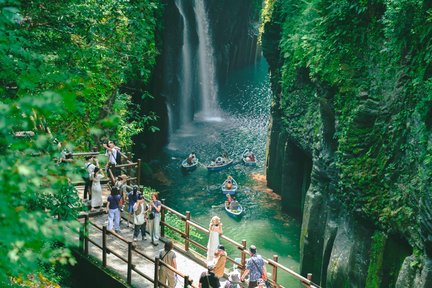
[[208, 88], [185, 73]]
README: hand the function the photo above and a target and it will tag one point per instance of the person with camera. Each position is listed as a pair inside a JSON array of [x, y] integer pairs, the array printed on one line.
[[215, 229], [154, 218], [114, 158]]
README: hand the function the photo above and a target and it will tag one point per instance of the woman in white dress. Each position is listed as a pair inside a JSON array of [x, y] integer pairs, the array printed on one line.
[[96, 188], [215, 229]]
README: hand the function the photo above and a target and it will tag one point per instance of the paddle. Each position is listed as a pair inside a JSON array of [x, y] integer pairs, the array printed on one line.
[[218, 206]]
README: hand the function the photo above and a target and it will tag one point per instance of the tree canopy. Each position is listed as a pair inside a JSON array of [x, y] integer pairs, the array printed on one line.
[[63, 64]]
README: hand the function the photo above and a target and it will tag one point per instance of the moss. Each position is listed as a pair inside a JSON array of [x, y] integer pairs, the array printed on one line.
[[373, 54], [373, 279]]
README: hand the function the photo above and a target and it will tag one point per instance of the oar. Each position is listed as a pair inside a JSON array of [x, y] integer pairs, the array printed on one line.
[[218, 206]]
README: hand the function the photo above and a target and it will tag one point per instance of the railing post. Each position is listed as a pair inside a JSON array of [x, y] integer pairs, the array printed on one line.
[[86, 235], [129, 267], [187, 228], [274, 270], [243, 256], [186, 281], [309, 276], [129, 168], [104, 246], [162, 224], [156, 272], [139, 172]]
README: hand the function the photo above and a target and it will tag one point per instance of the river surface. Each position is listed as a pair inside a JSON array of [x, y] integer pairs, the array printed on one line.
[[244, 102]]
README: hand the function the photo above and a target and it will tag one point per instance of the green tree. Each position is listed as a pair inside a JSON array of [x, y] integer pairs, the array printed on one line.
[[63, 63]]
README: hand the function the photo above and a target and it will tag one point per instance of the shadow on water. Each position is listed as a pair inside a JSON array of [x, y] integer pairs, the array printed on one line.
[[245, 101]]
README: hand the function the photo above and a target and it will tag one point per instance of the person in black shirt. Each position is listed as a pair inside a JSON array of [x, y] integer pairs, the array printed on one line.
[[208, 279]]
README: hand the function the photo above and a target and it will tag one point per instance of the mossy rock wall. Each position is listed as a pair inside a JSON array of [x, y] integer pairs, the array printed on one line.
[[353, 93]]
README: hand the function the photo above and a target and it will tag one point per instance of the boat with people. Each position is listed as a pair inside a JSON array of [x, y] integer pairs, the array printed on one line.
[[234, 208], [190, 163], [248, 158], [229, 186], [219, 164]]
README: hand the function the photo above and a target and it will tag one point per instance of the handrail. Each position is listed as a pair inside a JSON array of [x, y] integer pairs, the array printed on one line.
[[131, 267], [241, 246], [188, 240]]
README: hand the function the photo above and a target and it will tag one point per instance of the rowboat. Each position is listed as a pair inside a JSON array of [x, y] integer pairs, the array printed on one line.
[[231, 190], [219, 165], [248, 158], [234, 209], [189, 167]]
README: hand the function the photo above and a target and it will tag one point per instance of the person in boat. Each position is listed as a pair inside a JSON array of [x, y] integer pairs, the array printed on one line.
[[229, 183], [219, 161], [234, 204], [250, 157], [191, 158], [228, 201]]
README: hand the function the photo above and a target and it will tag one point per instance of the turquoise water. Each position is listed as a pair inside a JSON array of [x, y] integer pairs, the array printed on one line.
[[244, 114]]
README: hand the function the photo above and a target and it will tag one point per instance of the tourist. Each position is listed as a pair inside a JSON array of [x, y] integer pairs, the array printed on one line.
[[168, 256], [191, 158], [88, 170], [133, 197], [114, 158], [233, 280], [96, 189], [221, 257], [229, 200], [113, 210], [121, 185], [139, 210], [255, 267], [229, 183], [208, 279], [215, 229], [154, 218]]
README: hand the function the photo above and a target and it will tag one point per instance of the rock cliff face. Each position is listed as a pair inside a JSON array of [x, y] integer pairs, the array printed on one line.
[[233, 27], [343, 244]]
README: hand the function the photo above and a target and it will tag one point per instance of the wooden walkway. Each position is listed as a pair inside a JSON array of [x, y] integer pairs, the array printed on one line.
[[185, 260], [185, 264]]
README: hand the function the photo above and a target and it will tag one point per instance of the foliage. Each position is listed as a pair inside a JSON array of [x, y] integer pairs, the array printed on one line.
[[370, 60], [86, 49], [376, 260], [63, 65]]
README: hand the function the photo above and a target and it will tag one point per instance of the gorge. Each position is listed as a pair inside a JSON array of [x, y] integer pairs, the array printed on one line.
[[353, 180]]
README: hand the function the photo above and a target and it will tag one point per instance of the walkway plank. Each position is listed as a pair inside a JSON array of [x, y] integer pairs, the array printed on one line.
[[185, 265]]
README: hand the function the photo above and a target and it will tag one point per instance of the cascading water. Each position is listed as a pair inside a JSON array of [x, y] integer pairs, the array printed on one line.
[[185, 74], [207, 69]]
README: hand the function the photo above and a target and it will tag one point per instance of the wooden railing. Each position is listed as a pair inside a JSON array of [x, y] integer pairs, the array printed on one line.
[[128, 168], [85, 240], [275, 266]]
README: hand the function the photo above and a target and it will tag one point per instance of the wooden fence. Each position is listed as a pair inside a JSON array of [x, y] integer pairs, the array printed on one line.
[[276, 267], [130, 166], [85, 240]]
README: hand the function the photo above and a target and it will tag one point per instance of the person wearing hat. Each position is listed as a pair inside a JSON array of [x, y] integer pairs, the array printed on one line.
[[215, 229], [233, 280], [208, 279], [255, 268], [221, 257]]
